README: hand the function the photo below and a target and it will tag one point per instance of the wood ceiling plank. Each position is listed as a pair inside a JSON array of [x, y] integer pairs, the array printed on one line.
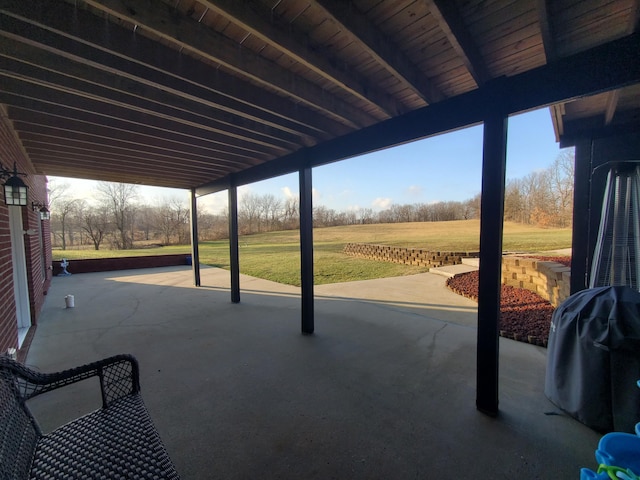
[[251, 16], [403, 23], [560, 81], [116, 131], [79, 83], [574, 13], [458, 35], [587, 24], [23, 94], [546, 30], [382, 10], [483, 10], [613, 98], [190, 35], [69, 147], [176, 169], [115, 173], [139, 58], [382, 49], [226, 108], [44, 135]]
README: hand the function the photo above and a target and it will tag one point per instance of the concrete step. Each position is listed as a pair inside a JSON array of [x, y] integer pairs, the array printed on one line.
[[451, 270], [474, 262]]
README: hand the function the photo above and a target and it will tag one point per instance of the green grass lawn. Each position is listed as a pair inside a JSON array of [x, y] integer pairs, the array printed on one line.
[[276, 255]]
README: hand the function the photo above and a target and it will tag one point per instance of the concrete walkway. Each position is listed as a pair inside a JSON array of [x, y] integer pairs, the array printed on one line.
[[385, 388]]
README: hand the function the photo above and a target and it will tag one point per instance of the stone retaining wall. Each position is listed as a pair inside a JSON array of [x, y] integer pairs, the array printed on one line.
[[550, 280], [408, 256]]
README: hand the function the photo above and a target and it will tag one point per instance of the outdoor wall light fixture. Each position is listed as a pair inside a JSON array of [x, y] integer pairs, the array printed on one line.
[[15, 191], [45, 214]]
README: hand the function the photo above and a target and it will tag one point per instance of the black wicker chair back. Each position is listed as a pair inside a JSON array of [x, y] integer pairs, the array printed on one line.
[[118, 440], [18, 432]]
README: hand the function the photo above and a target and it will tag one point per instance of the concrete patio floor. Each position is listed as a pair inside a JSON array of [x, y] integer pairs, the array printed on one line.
[[385, 388]]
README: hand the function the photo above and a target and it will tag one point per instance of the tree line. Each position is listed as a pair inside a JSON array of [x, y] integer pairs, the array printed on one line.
[[116, 218]]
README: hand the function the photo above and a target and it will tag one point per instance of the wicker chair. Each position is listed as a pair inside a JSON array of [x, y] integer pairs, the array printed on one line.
[[117, 441]]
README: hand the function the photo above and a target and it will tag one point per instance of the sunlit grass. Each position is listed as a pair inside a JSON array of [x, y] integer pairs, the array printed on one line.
[[276, 255]]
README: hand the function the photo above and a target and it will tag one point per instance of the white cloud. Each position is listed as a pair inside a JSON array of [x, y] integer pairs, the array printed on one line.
[[414, 190], [315, 194], [244, 190], [288, 193], [214, 203], [381, 203]]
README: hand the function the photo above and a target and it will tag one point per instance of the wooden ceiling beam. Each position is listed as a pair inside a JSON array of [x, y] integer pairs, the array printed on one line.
[[380, 48], [611, 106], [252, 17], [117, 163], [614, 96], [73, 147], [114, 173], [605, 67], [592, 127], [133, 55], [41, 98], [186, 33], [546, 30], [450, 22], [116, 132], [74, 74], [41, 134]]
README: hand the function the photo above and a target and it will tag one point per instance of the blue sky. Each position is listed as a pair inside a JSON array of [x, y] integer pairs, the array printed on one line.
[[446, 167]]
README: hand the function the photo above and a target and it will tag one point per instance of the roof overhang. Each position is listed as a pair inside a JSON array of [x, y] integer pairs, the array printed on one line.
[[201, 94]]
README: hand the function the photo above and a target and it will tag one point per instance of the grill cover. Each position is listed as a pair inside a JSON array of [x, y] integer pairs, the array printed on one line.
[[593, 358]]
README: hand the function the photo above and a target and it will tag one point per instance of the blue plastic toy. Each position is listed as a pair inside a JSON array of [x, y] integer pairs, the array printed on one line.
[[618, 455]]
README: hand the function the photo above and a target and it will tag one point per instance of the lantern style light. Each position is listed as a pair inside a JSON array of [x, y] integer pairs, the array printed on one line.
[[15, 191], [44, 212]]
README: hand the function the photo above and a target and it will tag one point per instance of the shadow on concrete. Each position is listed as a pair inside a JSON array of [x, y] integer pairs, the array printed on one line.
[[384, 389]]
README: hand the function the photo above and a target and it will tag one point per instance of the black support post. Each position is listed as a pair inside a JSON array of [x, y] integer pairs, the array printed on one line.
[[195, 251], [581, 198], [491, 224], [306, 250], [234, 252]]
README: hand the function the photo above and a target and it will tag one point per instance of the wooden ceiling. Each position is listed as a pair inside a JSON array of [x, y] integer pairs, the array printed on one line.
[[188, 93]]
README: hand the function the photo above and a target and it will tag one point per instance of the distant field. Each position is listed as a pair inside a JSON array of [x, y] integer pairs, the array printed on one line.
[[275, 255]]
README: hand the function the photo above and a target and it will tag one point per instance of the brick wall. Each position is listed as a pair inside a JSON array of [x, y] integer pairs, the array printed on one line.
[[37, 245], [408, 256], [124, 263], [550, 280]]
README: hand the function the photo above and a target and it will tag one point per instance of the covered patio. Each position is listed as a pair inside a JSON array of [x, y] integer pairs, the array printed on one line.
[[210, 95], [383, 390]]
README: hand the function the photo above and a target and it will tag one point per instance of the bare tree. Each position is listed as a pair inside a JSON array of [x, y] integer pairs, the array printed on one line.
[[367, 215], [63, 218], [56, 191], [290, 213], [171, 221], [249, 213], [324, 217], [471, 208], [212, 226], [145, 221], [118, 198], [271, 211], [562, 178], [95, 222], [514, 202]]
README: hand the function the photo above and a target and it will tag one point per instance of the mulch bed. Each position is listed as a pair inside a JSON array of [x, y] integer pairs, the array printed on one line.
[[524, 316]]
